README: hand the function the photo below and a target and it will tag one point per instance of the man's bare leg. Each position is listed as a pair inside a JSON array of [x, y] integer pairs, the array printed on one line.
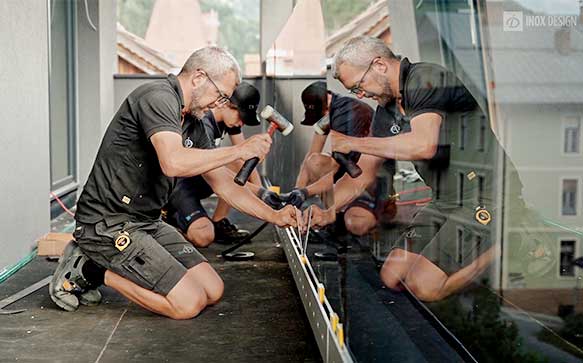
[[222, 210], [201, 233], [427, 281], [185, 301], [359, 221]]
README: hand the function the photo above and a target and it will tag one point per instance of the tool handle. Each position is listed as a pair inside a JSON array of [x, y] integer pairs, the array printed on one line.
[[350, 166], [272, 128], [247, 168]]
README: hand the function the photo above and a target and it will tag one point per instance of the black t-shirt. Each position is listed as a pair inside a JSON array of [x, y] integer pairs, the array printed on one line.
[[388, 121], [126, 182], [351, 117], [217, 130]]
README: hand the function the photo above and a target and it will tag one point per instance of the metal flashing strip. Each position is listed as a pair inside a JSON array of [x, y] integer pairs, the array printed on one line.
[[11, 270], [327, 329]]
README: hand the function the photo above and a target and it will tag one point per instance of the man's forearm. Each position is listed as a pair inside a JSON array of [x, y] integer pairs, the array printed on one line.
[[348, 189], [238, 164], [245, 200], [321, 185], [255, 178], [302, 179], [401, 147], [191, 162], [241, 198]]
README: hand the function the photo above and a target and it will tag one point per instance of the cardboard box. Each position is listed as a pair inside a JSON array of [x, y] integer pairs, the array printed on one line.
[[53, 244]]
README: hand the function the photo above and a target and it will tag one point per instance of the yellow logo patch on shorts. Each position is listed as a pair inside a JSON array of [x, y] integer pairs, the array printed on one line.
[[483, 216], [122, 241]]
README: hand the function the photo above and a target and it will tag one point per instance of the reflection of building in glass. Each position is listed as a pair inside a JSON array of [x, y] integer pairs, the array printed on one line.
[[538, 92], [531, 85]]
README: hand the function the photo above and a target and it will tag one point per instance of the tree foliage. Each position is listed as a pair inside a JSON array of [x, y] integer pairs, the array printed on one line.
[[481, 330], [134, 15], [239, 29], [340, 12]]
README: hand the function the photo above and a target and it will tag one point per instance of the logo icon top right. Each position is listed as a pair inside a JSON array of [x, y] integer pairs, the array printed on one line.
[[513, 21]]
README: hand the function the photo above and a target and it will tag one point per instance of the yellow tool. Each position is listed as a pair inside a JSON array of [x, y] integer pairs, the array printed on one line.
[[275, 188]]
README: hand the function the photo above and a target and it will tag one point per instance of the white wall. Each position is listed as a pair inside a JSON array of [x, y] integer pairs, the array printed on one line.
[[95, 69], [535, 143], [24, 130]]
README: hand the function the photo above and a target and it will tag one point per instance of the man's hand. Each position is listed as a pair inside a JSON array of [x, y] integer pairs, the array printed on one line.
[[255, 146], [341, 143], [320, 218], [296, 197], [270, 198], [286, 217]]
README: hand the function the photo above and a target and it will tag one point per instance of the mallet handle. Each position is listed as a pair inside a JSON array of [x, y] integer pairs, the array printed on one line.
[[247, 168], [350, 166]]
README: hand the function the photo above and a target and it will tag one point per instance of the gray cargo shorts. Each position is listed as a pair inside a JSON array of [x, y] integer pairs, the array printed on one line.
[[156, 257]]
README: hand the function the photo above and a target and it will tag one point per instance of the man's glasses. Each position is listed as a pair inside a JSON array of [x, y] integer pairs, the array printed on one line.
[[356, 89], [223, 99]]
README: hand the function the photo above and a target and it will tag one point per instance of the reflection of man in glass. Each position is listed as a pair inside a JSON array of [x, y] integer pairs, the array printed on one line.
[[451, 241], [319, 171]]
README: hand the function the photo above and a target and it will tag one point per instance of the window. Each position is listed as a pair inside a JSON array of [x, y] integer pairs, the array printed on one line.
[[460, 247], [478, 245], [463, 131], [480, 196], [62, 93], [460, 189], [482, 134], [569, 197], [572, 135], [567, 256]]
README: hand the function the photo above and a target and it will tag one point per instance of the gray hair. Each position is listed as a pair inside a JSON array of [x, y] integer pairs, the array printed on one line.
[[360, 51], [215, 61]]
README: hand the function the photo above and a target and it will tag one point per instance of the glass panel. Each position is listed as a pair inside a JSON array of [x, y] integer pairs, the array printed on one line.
[[152, 33], [463, 217], [61, 92]]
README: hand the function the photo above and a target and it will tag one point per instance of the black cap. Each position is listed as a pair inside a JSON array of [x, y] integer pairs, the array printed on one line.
[[246, 98], [315, 100]]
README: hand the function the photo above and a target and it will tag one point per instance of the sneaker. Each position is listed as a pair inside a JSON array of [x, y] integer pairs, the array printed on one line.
[[90, 298], [228, 233], [68, 280]]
